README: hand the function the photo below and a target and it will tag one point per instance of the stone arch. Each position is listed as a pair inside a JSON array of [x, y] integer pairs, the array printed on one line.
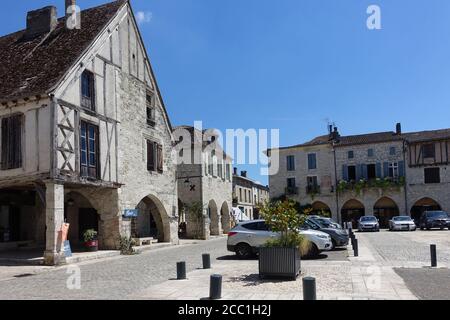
[[422, 205], [213, 215], [152, 221], [385, 209], [225, 217], [321, 208], [352, 210], [106, 202], [81, 215]]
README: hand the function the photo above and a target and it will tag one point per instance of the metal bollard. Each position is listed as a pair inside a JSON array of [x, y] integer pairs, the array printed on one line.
[[355, 248], [215, 289], [181, 270], [206, 258], [433, 256], [309, 289]]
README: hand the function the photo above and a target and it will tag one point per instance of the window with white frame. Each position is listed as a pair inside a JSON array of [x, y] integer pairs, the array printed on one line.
[[393, 170]]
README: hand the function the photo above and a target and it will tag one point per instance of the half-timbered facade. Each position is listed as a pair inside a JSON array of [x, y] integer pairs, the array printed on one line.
[[85, 135]]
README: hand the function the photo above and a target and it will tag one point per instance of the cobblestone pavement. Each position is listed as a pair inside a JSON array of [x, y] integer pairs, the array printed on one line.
[[114, 278], [409, 249]]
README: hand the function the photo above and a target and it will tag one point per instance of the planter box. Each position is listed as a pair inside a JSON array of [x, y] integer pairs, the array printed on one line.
[[279, 262], [91, 246]]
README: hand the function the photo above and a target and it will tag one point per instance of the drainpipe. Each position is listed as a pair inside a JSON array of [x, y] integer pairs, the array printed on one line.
[[338, 215], [404, 172]]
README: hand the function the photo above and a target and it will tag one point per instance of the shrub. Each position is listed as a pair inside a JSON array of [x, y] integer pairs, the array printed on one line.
[[90, 235], [126, 246], [283, 217]]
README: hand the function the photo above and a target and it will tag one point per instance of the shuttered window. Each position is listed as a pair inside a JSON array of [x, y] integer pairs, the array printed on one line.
[[89, 151], [155, 157], [12, 142]]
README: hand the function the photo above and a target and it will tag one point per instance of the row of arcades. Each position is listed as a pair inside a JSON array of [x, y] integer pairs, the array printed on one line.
[[384, 209], [23, 219]]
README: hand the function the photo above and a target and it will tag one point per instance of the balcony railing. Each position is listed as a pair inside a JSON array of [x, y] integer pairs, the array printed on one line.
[[291, 190], [313, 189]]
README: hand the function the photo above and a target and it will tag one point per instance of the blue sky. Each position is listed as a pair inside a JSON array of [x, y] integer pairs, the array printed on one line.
[[293, 64]]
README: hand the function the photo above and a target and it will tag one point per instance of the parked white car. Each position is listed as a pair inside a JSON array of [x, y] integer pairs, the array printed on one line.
[[402, 223], [246, 238]]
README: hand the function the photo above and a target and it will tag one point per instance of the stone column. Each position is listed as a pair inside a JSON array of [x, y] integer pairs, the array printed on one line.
[[54, 213]]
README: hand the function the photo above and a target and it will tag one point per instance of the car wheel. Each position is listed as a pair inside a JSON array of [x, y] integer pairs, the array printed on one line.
[[333, 244], [243, 251], [313, 251]]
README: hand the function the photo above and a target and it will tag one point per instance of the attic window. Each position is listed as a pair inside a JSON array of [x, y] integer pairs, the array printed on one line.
[[88, 90]]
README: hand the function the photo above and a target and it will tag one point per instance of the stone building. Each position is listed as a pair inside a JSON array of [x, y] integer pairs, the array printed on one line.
[[204, 183], [382, 174], [248, 195], [85, 135]]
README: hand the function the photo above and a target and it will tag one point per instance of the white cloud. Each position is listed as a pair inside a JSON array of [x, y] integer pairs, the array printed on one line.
[[143, 17]]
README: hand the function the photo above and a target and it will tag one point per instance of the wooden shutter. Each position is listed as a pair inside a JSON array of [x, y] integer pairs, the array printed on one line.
[[5, 143], [386, 169], [401, 169], [150, 156], [17, 141], [365, 172], [378, 170], [345, 172], [11, 142], [160, 158]]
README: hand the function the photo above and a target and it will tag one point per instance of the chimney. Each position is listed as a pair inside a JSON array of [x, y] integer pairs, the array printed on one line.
[[398, 129], [69, 4], [244, 174], [41, 21], [235, 172]]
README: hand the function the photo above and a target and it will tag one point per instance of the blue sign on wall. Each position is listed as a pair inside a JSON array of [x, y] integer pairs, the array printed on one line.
[[130, 213], [67, 249]]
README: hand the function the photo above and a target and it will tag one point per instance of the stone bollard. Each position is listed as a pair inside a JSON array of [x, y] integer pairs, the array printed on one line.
[[309, 289], [181, 270], [433, 256], [355, 248], [206, 258], [215, 289]]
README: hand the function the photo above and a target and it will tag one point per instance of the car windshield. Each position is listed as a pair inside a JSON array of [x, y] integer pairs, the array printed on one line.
[[437, 214], [368, 219], [324, 223], [401, 219]]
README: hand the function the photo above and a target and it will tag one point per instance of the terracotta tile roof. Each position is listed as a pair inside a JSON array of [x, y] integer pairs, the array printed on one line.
[[33, 67], [427, 135], [377, 137]]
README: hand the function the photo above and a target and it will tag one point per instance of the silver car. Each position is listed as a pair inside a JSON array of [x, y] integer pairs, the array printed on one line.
[[246, 238], [402, 223], [368, 223]]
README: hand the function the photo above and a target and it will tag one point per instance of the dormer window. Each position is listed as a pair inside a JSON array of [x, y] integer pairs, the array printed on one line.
[[151, 114], [88, 90]]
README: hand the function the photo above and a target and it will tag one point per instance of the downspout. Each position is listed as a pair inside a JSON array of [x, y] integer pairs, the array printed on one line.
[[404, 172], [336, 184]]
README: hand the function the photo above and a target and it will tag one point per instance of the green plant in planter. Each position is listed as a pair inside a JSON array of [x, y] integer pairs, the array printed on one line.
[[283, 217], [360, 186], [342, 186], [90, 235]]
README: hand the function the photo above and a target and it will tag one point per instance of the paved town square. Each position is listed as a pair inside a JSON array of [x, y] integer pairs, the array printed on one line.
[[389, 266]]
